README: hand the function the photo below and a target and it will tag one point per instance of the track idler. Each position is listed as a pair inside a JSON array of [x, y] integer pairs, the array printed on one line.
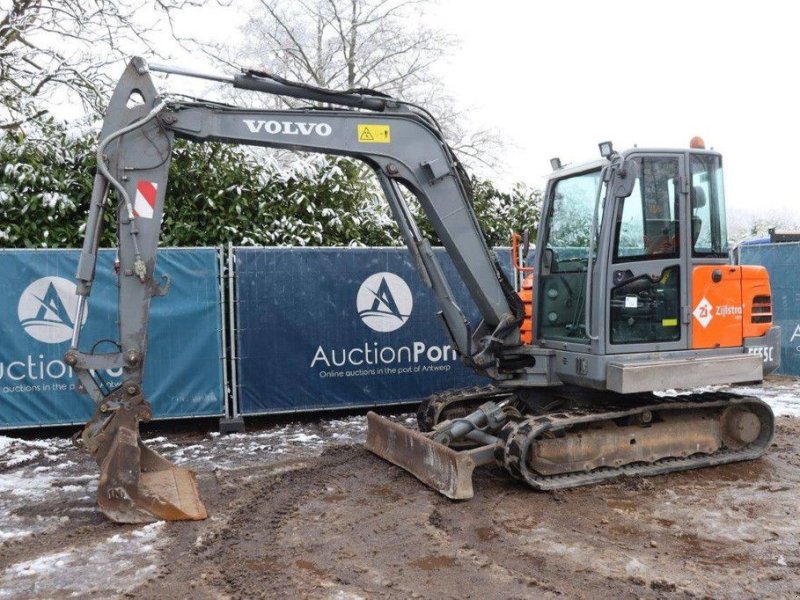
[[137, 485]]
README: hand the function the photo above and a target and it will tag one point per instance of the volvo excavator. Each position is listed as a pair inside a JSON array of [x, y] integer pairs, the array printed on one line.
[[631, 291]]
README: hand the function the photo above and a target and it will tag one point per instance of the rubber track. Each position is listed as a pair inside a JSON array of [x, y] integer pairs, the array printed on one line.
[[520, 434]]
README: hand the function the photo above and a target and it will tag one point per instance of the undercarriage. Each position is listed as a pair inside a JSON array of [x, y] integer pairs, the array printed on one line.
[[568, 437]]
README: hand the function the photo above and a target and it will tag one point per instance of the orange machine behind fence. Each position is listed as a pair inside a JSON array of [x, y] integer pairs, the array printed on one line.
[[526, 292]]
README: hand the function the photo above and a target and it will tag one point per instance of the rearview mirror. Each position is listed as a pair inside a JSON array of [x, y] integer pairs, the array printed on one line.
[[624, 174]]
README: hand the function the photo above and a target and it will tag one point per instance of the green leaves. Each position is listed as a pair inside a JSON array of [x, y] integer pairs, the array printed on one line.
[[249, 198], [219, 194], [45, 185], [503, 213]]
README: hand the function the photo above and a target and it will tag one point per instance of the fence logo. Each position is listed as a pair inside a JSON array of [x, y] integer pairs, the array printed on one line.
[[384, 302], [796, 335], [46, 307]]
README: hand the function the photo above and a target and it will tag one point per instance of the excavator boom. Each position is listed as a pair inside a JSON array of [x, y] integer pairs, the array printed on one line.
[[402, 145]]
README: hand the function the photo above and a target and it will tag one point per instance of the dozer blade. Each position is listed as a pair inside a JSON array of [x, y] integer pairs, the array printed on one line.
[[138, 485], [447, 471]]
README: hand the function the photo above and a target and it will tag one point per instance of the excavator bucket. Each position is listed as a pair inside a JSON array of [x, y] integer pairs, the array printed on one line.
[[138, 485], [444, 469]]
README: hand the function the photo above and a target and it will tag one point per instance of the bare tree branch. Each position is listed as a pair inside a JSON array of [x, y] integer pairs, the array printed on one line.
[[59, 51], [341, 44]]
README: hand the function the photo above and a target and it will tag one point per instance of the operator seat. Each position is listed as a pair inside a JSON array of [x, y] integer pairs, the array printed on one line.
[[698, 197]]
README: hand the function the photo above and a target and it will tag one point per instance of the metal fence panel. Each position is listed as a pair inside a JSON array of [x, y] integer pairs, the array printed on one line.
[[781, 260], [183, 376], [322, 328]]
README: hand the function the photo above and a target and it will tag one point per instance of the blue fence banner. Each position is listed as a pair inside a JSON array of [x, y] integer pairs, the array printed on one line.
[[322, 328], [781, 261], [183, 374]]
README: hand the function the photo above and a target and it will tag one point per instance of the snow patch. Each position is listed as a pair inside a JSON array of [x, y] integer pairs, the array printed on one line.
[[22, 484], [117, 565], [635, 567], [71, 488], [20, 458], [304, 438], [783, 395], [346, 595], [13, 527]]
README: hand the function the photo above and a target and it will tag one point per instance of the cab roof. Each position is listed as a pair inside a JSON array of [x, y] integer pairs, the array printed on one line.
[[601, 162]]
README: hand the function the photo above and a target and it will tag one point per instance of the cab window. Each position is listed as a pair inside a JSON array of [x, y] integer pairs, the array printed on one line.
[[709, 231], [647, 224], [563, 285]]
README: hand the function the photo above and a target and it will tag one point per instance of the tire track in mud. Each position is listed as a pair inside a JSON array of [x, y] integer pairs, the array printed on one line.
[[247, 507], [350, 525], [347, 524]]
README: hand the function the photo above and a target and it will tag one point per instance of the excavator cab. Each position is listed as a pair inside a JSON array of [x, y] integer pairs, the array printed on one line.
[[622, 275], [635, 248]]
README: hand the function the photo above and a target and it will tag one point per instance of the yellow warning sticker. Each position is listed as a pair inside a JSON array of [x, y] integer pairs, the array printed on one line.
[[669, 322], [374, 134]]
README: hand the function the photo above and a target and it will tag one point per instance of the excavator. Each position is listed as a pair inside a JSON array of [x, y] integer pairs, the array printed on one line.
[[630, 291]]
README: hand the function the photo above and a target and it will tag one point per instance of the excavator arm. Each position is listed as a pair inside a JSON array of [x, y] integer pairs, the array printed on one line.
[[402, 145]]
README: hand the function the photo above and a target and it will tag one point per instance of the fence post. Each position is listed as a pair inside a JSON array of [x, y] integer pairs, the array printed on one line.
[[233, 421]]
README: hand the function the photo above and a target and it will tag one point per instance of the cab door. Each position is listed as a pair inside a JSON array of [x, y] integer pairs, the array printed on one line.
[[647, 275], [717, 304]]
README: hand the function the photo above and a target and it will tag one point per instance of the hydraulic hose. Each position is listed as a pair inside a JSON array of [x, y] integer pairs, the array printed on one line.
[[138, 266]]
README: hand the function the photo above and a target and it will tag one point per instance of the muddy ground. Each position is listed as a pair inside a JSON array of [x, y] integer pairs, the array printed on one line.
[[303, 511]]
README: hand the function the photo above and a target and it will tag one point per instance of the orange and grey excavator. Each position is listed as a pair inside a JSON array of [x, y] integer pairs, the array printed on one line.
[[632, 291]]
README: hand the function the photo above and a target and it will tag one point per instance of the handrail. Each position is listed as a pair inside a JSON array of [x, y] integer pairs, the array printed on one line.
[[518, 266]]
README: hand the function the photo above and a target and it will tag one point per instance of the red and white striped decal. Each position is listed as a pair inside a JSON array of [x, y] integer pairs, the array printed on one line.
[[145, 200]]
